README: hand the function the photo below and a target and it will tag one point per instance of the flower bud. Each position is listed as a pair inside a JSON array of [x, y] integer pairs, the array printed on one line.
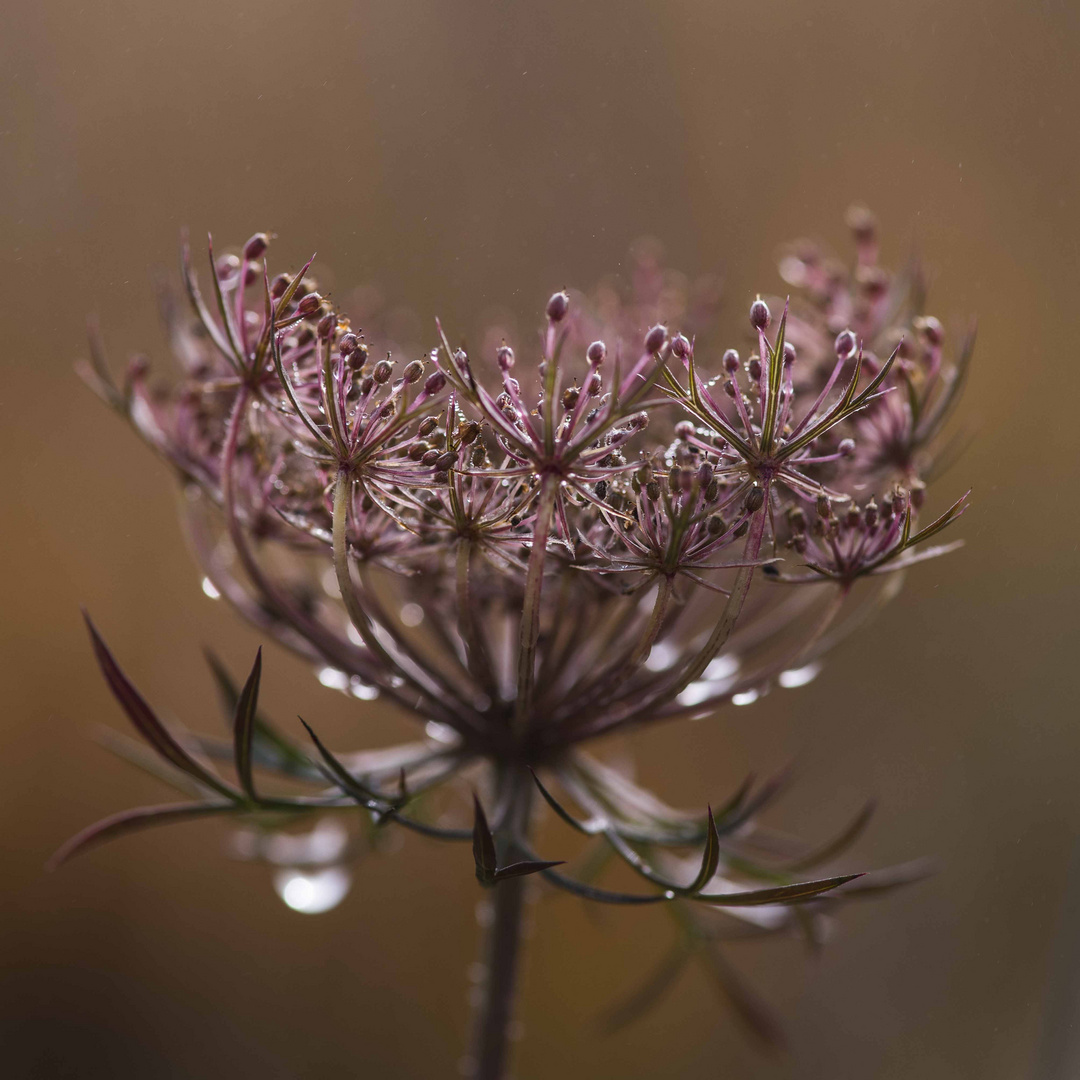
[[600, 489], [596, 353], [715, 525], [256, 245], [431, 457], [418, 450], [789, 353], [367, 384], [731, 361], [846, 447], [824, 509], [348, 343], [279, 285], [570, 397], [505, 358], [917, 494], [383, 370], [327, 325], [680, 347], [845, 344], [705, 473], [755, 499], [478, 455], [309, 305], [358, 357], [414, 371], [871, 513], [467, 432], [712, 491], [652, 489], [427, 426], [759, 314], [444, 462], [435, 382], [655, 338], [753, 368], [558, 306]]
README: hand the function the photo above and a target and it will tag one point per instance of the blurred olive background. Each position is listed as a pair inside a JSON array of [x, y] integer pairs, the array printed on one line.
[[476, 155]]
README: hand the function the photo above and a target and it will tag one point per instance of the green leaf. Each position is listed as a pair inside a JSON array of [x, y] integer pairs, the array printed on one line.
[[270, 749], [146, 721], [244, 726], [341, 776], [710, 858], [650, 993], [128, 821], [520, 869], [483, 846], [783, 894]]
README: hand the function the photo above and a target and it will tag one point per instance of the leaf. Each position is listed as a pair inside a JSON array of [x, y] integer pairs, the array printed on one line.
[[520, 869], [649, 994], [782, 894], [127, 821], [755, 1016], [587, 828], [483, 846], [270, 748], [244, 726], [710, 858], [837, 844], [342, 777], [146, 721]]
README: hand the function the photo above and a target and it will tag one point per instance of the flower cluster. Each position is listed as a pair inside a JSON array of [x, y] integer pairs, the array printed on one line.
[[531, 549]]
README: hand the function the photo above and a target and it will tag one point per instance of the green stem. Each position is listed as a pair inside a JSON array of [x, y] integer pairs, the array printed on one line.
[[502, 945], [534, 581]]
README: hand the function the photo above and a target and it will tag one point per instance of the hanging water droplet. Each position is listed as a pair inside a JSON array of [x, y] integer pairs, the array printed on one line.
[[443, 733], [210, 590], [661, 656], [312, 892], [669, 895], [799, 676], [334, 679], [361, 690], [722, 667], [747, 697]]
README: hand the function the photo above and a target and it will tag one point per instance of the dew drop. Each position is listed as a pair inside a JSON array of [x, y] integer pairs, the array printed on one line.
[[209, 589], [312, 892], [799, 676], [747, 697], [334, 679]]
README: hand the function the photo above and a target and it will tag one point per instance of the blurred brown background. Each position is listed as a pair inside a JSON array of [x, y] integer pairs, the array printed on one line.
[[472, 154]]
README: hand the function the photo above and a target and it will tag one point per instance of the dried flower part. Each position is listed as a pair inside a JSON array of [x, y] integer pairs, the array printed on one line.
[[526, 555]]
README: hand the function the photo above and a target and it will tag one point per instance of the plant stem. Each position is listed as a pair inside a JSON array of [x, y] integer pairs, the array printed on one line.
[[501, 947]]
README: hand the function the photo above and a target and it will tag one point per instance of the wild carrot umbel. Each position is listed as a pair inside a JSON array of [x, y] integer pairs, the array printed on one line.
[[527, 553]]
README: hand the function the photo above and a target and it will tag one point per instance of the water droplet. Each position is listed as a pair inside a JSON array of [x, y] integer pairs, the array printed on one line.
[[209, 589], [334, 679], [443, 733], [313, 892], [361, 690], [748, 697], [412, 614], [722, 667], [695, 693], [330, 585], [661, 657], [669, 895], [799, 676]]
